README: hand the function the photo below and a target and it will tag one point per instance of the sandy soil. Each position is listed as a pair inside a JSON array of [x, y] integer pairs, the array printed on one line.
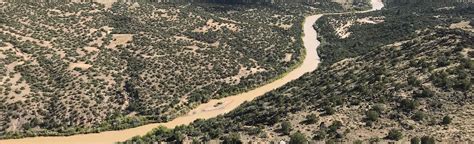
[[342, 31], [371, 20], [214, 26], [288, 57], [120, 39], [243, 72], [206, 110], [81, 65], [464, 25]]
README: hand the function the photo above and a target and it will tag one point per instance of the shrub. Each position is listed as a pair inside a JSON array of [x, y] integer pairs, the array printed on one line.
[[380, 108], [419, 116], [311, 119], [286, 127], [335, 126], [320, 135], [415, 140], [443, 61], [233, 138], [427, 140], [298, 138], [394, 134], [408, 105], [374, 140], [372, 115], [329, 110], [412, 80], [425, 93], [446, 120]]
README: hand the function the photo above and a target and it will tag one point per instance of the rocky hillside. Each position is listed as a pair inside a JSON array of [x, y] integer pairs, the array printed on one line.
[[69, 68], [396, 78]]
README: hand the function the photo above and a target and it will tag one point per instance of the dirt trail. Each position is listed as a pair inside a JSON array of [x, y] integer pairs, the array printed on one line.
[[206, 110]]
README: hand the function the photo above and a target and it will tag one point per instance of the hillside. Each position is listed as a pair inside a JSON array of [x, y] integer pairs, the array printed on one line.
[[71, 68], [396, 74]]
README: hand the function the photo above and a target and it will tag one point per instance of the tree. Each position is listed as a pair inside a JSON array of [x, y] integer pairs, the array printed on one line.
[[446, 120], [415, 140], [394, 134], [298, 138], [286, 127]]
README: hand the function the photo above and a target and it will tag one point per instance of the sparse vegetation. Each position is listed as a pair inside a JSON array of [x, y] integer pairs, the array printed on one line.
[[81, 67], [405, 71], [389, 68], [395, 134]]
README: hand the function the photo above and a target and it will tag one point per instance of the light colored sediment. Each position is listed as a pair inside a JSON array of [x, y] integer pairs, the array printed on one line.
[[207, 110], [464, 25], [81, 65]]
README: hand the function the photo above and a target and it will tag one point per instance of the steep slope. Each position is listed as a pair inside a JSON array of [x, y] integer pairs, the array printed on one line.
[[400, 78]]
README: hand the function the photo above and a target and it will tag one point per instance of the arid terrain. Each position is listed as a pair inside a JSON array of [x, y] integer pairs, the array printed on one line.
[[87, 67], [357, 71], [392, 77]]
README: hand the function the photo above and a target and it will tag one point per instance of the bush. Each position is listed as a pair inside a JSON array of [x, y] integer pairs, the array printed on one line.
[[413, 81], [446, 120], [372, 115], [358, 142], [233, 138], [329, 110], [415, 140], [394, 134], [427, 140], [320, 135], [374, 140], [380, 108], [298, 138], [425, 93], [286, 127], [419, 116], [311, 119], [443, 61], [408, 105]]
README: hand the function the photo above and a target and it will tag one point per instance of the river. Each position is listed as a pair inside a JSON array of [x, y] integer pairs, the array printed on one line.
[[203, 111]]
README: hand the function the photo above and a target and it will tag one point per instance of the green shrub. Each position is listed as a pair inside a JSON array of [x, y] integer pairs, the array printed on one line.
[[415, 140], [372, 115], [320, 135], [419, 116], [427, 140], [408, 105], [286, 127], [311, 119], [298, 138], [394, 134], [329, 110], [446, 120], [233, 138]]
